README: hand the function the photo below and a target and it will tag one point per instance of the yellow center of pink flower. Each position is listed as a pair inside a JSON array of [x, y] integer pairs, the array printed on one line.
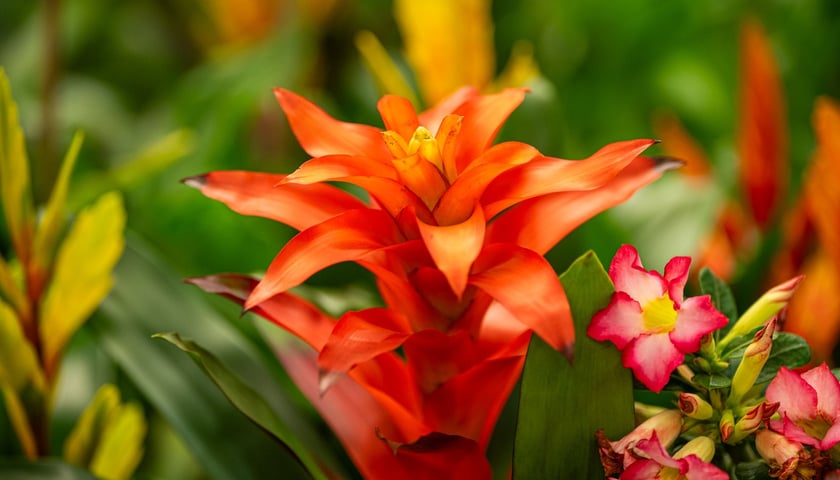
[[659, 315]]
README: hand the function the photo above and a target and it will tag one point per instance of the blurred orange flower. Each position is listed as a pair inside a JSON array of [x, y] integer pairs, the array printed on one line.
[[810, 240]]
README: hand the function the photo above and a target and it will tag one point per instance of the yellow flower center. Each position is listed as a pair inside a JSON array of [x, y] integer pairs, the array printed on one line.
[[659, 315], [670, 473]]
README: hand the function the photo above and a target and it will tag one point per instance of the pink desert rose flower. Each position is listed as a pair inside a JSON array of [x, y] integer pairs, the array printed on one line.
[[655, 463], [649, 320], [809, 405]]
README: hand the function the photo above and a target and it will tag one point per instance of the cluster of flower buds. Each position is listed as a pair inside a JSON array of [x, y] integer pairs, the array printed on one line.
[[734, 403]]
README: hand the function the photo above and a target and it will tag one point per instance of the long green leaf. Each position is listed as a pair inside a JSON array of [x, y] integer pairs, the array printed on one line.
[[562, 405], [148, 298], [246, 400]]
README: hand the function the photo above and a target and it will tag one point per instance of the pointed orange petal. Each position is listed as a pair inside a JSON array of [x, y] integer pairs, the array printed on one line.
[[346, 237], [421, 177], [526, 285], [762, 145], [459, 198], [360, 336], [545, 175], [253, 193], [391, 382], [435, 357], [337, 167], [354, 415], [439, 455], [380, 180], [470, 403], [310, 123], [286, 310], [398, 290], [455, 247], [483, 118], [398, 115], [525, 223]]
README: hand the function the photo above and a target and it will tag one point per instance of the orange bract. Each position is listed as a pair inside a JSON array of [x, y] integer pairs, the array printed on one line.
[[453, 229]]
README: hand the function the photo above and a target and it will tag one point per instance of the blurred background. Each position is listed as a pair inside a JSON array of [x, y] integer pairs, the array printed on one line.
[[166, 89]]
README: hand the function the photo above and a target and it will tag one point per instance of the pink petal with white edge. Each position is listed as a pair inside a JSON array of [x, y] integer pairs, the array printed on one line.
[[695, 318], [700, 470], [629, 276], [797, 398], [652, 358], [620, 322], [652, 449], [828, 390], [832, 437], [642, 469], [793, 432], [676, 274]]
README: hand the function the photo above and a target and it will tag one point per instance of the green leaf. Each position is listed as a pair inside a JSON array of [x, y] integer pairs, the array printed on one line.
[[246, 400], [82, 275], [713, 381], [754, 470], [720, 292], [148, 298], [562, 405], [789, 350], [42, 470]]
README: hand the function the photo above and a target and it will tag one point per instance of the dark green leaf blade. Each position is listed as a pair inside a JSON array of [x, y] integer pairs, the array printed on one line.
[[563, 405], [720, 292], [789, 350], [246, 400]]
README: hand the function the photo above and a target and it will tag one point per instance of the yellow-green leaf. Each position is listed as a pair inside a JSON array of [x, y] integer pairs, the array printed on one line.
[[15, 188], [108, 437], [18, 361], [81, 443], [10, 290], [53, 220], [120, 448], [19, 420], [82, 274], [386, 73]]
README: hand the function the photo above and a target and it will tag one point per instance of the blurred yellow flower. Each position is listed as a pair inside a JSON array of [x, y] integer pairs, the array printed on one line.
[[448, 44]]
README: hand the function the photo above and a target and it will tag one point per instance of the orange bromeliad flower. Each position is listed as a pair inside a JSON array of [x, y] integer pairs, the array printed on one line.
[[454, 230]]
